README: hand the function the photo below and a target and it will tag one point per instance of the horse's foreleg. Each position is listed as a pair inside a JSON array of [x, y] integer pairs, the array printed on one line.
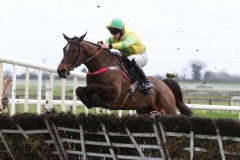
[[98, 101], [107, 93], [91, 99], [84, 96]]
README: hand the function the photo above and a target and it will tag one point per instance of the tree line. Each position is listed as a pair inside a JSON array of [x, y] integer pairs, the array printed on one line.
[[198, 73]]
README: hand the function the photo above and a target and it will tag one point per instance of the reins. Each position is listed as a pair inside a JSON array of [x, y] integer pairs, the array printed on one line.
[[99, 51], [93, 56]]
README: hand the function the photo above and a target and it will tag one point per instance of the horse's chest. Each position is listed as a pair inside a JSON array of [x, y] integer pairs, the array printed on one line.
[[102, 79], [99, 81]]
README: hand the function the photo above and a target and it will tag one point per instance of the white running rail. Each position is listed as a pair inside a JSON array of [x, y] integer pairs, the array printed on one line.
[[63, 102], [39, 102]]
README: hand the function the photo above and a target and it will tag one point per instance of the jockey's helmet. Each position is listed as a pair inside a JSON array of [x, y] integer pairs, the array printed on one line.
[[115, 25]]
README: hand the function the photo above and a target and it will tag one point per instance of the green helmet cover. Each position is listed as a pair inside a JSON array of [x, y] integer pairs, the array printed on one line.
[[116, 23]]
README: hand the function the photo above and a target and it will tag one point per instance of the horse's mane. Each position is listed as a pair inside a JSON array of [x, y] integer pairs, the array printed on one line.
[[108, 50]]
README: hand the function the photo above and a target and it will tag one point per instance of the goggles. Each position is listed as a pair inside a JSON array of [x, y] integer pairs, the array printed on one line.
[[114, 31]]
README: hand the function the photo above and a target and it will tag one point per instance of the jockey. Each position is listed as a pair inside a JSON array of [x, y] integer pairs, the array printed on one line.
[[129, 44]]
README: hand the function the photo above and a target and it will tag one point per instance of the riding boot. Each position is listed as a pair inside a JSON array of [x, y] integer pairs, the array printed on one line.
[[141, 74]]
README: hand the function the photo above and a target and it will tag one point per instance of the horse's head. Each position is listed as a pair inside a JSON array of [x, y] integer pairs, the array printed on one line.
[[72, 55]]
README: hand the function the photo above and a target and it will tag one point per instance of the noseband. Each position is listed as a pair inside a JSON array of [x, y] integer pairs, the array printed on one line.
[[75, 62]]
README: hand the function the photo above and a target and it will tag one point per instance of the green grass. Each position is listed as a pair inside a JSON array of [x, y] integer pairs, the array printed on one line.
[[216, 114], [20, 91]]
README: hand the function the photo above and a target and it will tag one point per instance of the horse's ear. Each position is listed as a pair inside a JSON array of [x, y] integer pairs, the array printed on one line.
[[82, 37], [66, 37]]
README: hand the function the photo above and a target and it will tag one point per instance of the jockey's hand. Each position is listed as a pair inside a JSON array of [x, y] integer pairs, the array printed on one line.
[[100, 43], [105, 46]]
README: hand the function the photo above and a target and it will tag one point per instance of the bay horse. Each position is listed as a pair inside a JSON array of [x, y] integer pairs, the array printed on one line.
[[108, 86]]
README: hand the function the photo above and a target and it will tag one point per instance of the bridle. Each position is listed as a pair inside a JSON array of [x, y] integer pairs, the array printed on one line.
[[75, 63]]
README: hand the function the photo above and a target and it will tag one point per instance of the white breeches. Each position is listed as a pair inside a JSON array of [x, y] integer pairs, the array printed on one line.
[[141, 59]]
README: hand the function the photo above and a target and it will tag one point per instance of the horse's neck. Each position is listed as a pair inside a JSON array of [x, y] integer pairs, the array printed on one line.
[[100, 60], [95, 64]]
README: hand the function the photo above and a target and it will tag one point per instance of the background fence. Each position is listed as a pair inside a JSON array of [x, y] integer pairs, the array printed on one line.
[[49, 100]]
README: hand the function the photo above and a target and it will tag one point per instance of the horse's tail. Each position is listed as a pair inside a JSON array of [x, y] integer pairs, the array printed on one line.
[[182, 107]]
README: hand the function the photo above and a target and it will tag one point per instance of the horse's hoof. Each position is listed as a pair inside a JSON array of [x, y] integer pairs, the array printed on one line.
[[162, 112], [153, 114]]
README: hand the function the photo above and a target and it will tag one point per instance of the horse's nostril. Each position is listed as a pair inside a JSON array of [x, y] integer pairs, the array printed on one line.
[[62, 73]]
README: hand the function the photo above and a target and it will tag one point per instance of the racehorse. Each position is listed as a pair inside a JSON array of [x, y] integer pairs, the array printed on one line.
[[108, 85]]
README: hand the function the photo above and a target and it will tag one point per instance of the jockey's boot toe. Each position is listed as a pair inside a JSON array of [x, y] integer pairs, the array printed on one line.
[[148, 84]]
